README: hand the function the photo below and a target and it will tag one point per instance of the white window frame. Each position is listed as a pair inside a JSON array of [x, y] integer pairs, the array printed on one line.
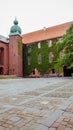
[[49, 43], [39, 45]]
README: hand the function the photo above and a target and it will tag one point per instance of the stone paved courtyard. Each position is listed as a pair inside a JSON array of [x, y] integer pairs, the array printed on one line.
[[36, 104]]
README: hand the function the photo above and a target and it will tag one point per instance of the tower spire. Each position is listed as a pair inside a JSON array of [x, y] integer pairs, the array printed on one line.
[[15, 29]]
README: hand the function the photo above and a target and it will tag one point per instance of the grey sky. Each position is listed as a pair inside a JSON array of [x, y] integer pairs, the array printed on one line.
[[34, 14]]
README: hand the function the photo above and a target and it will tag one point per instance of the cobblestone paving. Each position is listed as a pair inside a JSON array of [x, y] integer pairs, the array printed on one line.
[[36, 104]]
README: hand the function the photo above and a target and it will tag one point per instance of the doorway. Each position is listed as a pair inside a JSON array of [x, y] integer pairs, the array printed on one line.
[[1, 71], [67, 71], [1, 56]]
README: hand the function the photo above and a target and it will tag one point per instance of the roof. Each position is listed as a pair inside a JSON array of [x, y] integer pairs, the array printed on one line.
[[4, 39], [47, 33]]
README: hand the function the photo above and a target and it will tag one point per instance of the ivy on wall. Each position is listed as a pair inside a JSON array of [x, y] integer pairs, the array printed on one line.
[[45, 66], [19, 48]]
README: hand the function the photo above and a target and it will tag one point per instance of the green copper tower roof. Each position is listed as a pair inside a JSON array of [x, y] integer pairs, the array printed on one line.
[[15, 29]]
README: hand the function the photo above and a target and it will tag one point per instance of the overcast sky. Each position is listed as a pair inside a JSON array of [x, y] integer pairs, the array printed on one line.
[[34, 14]]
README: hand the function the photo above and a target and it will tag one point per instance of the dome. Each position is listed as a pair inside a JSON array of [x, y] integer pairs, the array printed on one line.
[[15, 29]]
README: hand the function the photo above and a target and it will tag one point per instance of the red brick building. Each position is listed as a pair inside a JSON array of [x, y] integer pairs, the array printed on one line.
[[11, 52], [11, 48]]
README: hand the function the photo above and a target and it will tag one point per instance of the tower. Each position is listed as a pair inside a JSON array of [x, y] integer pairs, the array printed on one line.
[[15, 50]]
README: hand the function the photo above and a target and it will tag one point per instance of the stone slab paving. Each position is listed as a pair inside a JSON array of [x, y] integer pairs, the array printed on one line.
[[36, 104]]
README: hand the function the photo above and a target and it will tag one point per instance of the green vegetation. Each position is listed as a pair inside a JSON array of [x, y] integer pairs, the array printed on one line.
[[45, 66], [66, 44], [62, 52]]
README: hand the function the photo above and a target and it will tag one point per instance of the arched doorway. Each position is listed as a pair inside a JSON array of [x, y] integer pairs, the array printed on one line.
[[1, 60], [1, 55], [1, 71]]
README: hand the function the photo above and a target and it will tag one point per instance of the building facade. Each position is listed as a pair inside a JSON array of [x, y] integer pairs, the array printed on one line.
[[32, 54], [40, 51]]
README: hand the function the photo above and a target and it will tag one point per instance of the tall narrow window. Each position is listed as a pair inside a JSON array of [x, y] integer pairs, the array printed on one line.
[[29, 50], [50, 57], [28, 60], [49, 43], [1, 55], [39, 59], [39, 45]]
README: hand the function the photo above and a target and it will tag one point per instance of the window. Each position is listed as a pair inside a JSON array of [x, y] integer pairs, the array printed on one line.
[[28, 60], [29, 50], [59, 39], [49, 43], [39, 59], [39, 45], [61, 54], [1, 55], [50, 57]]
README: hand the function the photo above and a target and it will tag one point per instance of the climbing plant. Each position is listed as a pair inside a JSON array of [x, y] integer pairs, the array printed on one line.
[[19, 48], [66, 44], [45, 66]]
